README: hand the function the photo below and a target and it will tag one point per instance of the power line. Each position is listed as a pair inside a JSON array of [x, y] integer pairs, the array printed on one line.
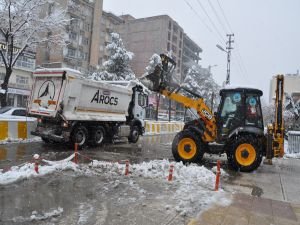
[[202, 20], [218, 18], [213, 24], [223, 13], [239, 57]]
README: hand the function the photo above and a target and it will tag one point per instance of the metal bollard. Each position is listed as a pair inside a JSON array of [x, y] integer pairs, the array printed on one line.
[[170, 177], [127, 168], [36, 158], [218, 175]]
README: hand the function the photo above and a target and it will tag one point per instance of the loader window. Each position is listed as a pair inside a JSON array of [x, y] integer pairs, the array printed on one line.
[[253, 111], [232, 112]]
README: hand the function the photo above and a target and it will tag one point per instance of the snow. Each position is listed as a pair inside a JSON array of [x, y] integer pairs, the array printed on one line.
[[19, 140], [192, 185], [35, 216]]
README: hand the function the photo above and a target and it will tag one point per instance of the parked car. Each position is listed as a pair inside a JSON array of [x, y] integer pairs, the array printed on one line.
[[14, 113]]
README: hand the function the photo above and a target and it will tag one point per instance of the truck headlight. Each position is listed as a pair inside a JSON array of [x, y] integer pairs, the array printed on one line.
[[65, 124]]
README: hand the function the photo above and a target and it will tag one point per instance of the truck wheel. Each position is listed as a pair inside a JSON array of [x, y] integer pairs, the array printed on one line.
[[187, 147], [80, 136], [245, 154], [46, 140], [97, 136], [134, 134]]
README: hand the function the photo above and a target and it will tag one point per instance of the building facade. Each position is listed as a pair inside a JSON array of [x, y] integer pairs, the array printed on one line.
[[20, 82], [291, 85], [157, 34], [82, 51]]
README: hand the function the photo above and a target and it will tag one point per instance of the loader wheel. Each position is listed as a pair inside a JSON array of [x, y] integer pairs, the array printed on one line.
[[187, 147], [245, 153], [97, 136], [134, 134], [79, 135]]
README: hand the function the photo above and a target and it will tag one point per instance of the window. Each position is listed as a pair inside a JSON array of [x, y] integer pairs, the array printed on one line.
[[174, 39], [170, 25], [22, 80], [85, 41], [72, 36], [71, 52], [174, 48], [180, 34], [142, 100], [253, 111], [175, 29], [168, 47], [19, 112], [169, 36]]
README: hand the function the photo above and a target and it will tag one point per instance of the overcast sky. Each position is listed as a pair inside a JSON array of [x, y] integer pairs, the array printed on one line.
[[266, 34]]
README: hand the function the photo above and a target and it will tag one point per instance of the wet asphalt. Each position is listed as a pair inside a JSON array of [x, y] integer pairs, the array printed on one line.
[[74, 198]]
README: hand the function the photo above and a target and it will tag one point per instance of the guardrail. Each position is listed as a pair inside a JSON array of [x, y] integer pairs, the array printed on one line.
[[294, 142], [16, 128], [158, 127]]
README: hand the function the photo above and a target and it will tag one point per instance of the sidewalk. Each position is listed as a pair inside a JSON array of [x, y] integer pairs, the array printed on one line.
[[250, 210]]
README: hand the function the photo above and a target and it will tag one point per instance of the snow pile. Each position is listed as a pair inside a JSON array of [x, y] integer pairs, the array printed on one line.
[[38, 217], [20, 140], [292, 155], [160, 169], [25, 171]]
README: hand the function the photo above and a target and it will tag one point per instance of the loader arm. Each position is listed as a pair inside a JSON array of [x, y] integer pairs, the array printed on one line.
[[204, 112]]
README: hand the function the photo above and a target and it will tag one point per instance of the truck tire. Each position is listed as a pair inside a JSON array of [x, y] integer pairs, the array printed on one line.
[[79, 135], [244, 153], [97, 136], [188, 147], [134, 134], [46, 140]]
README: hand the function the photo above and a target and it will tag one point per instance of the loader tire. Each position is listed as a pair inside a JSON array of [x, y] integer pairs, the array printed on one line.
[[79, 135], [134, 134], [244, 153], [188, 147], [97, 136]]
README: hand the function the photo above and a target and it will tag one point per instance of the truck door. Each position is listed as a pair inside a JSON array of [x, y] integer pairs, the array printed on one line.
[[141, 102], [46, 95]]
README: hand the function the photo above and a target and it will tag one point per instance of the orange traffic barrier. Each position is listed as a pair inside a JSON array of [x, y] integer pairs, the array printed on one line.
[[127, 168], [218, 175], [170, 177], [36, 158]]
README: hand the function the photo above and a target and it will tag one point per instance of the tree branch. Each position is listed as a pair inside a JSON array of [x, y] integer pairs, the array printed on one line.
[[3, 59]]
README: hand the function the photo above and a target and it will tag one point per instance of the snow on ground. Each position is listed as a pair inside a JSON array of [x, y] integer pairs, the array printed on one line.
[[39, 217], [20, 140], [193, 184], [288, 155]]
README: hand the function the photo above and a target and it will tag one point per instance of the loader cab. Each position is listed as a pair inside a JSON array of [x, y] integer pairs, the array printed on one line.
[[239, 109]]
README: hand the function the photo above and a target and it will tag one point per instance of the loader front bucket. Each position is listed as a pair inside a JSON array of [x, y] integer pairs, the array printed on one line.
[[161, 77]]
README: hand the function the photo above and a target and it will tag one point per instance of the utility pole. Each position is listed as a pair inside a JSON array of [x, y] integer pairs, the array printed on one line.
[[229, 48]]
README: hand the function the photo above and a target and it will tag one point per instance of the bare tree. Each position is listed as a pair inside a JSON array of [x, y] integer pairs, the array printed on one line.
[[23, 25]]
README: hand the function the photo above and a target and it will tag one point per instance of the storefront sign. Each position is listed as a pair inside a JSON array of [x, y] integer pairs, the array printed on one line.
[[18, 91]]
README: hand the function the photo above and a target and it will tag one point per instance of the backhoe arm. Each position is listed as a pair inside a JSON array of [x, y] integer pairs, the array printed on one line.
[[202, 109]]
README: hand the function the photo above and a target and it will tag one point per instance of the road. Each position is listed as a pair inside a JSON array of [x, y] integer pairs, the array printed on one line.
[[96, 197]]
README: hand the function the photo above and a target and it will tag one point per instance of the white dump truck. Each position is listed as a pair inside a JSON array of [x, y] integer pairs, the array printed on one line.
[[72, 109]]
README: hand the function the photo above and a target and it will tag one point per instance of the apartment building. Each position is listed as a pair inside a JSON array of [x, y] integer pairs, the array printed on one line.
[[82, 51], [109, 23], [157, 34], [291, 86]]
